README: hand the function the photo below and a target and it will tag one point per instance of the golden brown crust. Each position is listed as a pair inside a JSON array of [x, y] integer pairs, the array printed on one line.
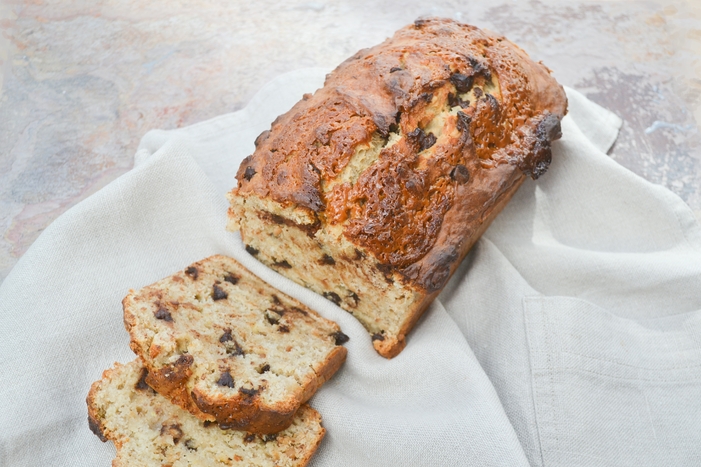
[[397, 87]]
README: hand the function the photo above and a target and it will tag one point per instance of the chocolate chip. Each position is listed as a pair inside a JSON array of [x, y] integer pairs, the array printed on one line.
[[190, 444], [173, 430], [250, 437], [270, 437], [333, 296], [141, 384], [230, 278], [378, 337], [419, 23], [234, 349], [394, 68], [192, 272], [283, 264], [264, 368], [340, 338], [478, 92], [464, 121], [163, 314], [207, 423], [455, 101], [261, 137], [249, 173], [460, 174], [283, 328], [355, 298], [422, 139], [218, 293], [276, 300], [463, 83], [248, 392], [272, 319], [226, 337], [299, 310], [327, 260], [359, 255], [226, 380], [251, 250]]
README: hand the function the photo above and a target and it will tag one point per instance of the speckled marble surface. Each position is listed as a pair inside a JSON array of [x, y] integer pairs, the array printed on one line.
[[82, 81]]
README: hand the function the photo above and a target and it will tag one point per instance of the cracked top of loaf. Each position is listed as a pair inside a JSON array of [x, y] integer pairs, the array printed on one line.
[[409, 144]]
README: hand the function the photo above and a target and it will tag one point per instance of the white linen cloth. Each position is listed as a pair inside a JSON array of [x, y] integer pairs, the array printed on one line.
[[570, 335]]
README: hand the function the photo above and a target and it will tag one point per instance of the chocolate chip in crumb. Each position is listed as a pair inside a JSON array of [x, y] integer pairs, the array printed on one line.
[[230, 278], [264, 368], [234, 349], [282, 264], [340, 338], [163, 314], [299, 310], [192, 272], [378, 337], [226, 380], [460, 174], [478, 92], [283, 328], [464, 121], [252, 251], [333, 296], [208, 423], [271, 318], [270, 437], [141, 384], [355, 298], [248, 392], [226, 337], [218, 293], [190, 444], [359, 255], [394, 68], [249, 438], [327, 260], [173, 430], [249, 173]]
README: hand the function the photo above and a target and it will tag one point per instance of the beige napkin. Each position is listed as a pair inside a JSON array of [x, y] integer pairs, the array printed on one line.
[[569, 336]]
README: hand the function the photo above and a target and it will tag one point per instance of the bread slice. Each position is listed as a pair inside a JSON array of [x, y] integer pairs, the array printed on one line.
[[226, 346], [373, 189], [148, 430]]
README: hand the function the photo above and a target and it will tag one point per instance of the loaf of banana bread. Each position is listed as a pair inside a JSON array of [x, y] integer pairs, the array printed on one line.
[[373, 189], [226, 346], [148, 430]]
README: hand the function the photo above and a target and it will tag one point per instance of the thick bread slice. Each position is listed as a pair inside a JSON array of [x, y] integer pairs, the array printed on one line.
[[148, 430], [373, 189], [224, 345]]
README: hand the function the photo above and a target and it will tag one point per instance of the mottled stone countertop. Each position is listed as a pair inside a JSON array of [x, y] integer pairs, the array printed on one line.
[[81, 81]]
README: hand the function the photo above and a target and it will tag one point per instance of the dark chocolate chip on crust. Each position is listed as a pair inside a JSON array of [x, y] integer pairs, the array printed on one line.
[[378, 337], [463, 83], [192, 272], [340, 338], [249, 173], [141, 385], [218, 293], [460, 174], [163, 314], [394, 68], [226, 380]]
